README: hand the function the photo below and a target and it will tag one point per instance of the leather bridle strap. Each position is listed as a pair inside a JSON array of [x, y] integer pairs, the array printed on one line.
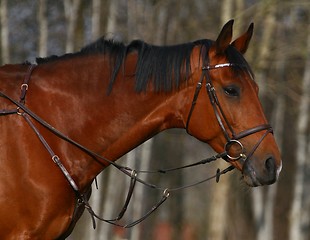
[[215, 104], [251, 131], [24, 86], [198, 87], [23, 91], [268, 129]]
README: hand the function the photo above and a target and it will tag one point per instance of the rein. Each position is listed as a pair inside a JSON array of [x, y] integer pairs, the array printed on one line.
[[82, 198]]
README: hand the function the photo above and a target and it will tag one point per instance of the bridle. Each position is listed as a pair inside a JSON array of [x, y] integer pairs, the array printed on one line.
[[232, 139], [82, 198]]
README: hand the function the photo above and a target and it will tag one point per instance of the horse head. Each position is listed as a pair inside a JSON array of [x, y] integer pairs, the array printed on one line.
[[231, 118]]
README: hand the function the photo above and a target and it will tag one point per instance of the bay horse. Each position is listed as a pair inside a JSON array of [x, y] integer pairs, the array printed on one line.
[[66, 118]]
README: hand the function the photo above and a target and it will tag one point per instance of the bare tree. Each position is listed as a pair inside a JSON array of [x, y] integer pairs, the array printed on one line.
[[239, 19], [218, 202], [72, 9], [5, 47], [116, 26], [43, 30], [96, 19], [263, 203], [301, 152]]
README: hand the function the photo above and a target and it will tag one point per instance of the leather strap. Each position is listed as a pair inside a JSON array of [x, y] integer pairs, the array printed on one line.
[[198, 87], [23, 91], [253, 130], [24, 86]]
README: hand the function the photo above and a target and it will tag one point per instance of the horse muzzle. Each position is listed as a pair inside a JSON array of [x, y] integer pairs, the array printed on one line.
[[257, 175]]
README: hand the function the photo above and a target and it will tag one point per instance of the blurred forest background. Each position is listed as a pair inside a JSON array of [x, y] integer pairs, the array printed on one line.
[[280, 57]]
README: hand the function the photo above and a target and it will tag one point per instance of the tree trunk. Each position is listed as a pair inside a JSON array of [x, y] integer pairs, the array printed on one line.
[[239, 21], [96, 19], [72, 9], [43, 30], [5, 46], [162, 23], [263, 201], [218, 204], [296, 231], [265, 44], [117, 20]]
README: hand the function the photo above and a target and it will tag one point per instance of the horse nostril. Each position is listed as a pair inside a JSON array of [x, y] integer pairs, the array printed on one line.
[[271, 169], [270, 165]]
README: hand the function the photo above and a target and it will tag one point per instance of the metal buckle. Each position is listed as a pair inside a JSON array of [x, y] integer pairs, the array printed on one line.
[[24, 86]]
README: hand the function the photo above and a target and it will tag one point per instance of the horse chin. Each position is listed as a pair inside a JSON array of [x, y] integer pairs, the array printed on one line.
[[251, 180]]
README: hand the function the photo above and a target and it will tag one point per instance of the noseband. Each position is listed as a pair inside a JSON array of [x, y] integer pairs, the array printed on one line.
[[232, 138]]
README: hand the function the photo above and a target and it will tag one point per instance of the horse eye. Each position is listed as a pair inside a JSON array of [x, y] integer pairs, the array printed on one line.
[[232, 91]]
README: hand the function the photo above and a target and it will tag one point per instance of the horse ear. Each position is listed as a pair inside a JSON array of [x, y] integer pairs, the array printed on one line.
[[224, 38], [242, 43]]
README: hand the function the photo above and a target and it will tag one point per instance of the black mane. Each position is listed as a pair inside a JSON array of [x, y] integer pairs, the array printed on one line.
[[166, 66]]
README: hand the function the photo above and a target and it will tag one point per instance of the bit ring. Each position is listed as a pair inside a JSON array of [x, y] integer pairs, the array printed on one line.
[[227, 147]]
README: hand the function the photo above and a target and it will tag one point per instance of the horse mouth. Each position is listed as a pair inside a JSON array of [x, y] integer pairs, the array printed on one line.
[[251, 180]]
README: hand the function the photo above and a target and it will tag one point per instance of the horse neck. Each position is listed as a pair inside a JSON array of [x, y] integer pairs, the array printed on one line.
[[109, 124]]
